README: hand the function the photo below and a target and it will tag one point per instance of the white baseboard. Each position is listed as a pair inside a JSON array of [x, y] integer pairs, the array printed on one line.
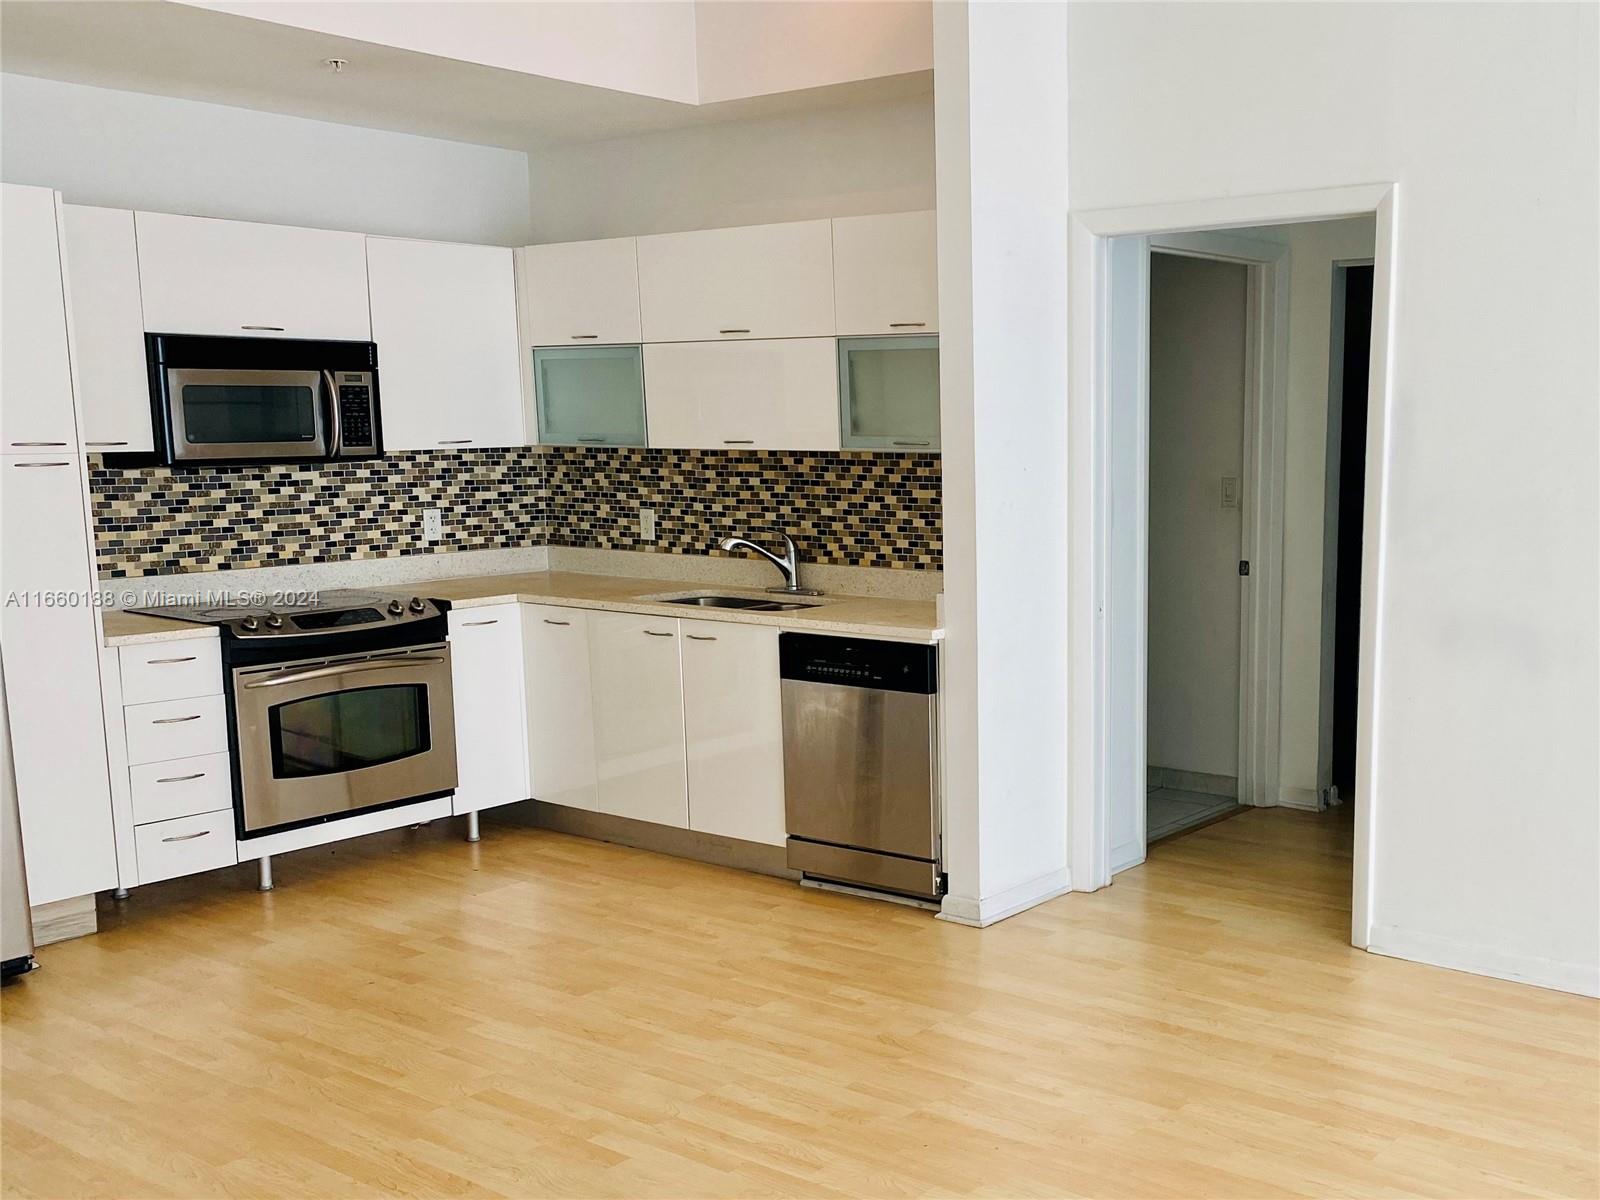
[[1300, 797], [1393, 942], [983, 911]]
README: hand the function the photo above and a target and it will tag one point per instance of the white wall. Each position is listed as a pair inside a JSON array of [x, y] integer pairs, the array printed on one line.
[[1485, 822], [1002, 174], [1198, 313], [130, 150], [844, 161]]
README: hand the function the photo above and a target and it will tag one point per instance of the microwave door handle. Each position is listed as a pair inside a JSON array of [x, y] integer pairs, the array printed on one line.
[[335, 417]]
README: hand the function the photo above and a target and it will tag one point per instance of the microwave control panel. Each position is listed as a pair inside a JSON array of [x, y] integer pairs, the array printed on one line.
[[355, 410]]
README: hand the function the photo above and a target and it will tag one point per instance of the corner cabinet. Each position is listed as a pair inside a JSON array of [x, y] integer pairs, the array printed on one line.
[[444, 317], [491, 726], [638, 717], [561, 758], [242, 279], [733, 729]]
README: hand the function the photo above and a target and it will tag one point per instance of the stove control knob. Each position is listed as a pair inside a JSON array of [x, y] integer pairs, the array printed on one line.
[[274, 621], [250, 624], [397, 607], [418, 604]]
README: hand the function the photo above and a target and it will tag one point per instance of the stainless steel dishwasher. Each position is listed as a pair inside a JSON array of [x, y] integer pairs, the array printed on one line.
[[860, 762]]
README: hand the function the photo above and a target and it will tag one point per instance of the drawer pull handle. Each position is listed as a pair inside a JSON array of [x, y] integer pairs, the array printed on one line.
[[264, 328], [913, 443], [908, 324], [466, 624], [655, 633], [584, 337], [548, 621], [105, 443], [454, 441], [593, 441], [42, 464], [38, 443], [733, 331], [175, 720], [156, 662], [187, 837], [182, 778], [738, 441], [701, 637]]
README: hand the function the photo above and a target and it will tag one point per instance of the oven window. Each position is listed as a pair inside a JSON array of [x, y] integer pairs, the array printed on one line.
[[347, 730], [236, 412]]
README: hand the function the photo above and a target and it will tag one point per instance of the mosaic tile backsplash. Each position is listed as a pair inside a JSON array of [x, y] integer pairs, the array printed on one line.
[[852, 508]]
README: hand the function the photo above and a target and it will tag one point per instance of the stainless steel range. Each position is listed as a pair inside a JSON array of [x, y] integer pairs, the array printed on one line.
[[335, 707]]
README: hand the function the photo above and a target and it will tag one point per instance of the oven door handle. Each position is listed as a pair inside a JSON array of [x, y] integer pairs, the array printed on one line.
[[388, 664], [335, 417]]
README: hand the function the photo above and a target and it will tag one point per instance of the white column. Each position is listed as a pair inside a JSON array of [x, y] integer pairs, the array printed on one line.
[[1001, 141]]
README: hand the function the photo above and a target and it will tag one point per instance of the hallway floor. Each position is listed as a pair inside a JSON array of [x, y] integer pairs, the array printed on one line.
[[538, 1015], [1170, 810]]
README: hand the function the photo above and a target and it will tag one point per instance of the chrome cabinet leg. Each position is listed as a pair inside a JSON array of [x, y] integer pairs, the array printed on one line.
[[472, 827], [265, 862], [120, 894]]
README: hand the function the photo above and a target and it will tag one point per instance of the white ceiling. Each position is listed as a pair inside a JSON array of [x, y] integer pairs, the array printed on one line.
[[197, 54]]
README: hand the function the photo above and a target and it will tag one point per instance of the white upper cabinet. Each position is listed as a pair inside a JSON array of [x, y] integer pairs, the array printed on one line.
[[581, 293], [759, 281], [638, 717], [886, 274], [781, 395], [241, 279], [108, 329], [487, 682], [733, 727], [561, 763], [36, 409], [444, 317]]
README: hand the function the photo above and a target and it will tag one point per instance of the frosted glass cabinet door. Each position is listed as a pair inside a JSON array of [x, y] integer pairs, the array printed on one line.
[[590, 395], [889, 393]]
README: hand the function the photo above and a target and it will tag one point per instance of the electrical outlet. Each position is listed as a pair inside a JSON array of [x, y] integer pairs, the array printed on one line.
[[647, 524], [432, 525]]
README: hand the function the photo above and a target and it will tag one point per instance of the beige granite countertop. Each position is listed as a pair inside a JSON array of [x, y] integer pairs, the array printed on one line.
[[861, 616]]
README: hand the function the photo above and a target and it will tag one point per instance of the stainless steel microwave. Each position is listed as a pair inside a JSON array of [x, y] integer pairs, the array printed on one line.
[[234, 400]]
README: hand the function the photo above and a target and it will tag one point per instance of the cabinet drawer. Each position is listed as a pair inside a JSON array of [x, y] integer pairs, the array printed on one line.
[[181, 787], [170, 670], [184, 846], [176, 729]]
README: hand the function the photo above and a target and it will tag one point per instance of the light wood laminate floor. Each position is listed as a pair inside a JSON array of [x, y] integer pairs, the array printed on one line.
[[538, 1015]]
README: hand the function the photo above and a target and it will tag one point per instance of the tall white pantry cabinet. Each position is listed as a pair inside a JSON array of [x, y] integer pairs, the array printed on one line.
[[50, 630]]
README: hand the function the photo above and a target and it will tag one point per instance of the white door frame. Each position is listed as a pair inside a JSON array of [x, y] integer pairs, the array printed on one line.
[[1095, 725]]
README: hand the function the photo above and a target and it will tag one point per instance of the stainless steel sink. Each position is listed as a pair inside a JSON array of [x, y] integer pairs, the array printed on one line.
[[748, 603]]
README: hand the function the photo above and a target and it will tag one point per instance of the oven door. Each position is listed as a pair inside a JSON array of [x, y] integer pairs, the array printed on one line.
[[326, 738], [237, 414]]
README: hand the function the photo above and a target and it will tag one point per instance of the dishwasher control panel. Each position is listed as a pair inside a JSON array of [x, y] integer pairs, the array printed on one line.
[[858, 662]]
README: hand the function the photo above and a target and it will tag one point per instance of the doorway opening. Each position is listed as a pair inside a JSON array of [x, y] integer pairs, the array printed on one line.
[[1235, 466]]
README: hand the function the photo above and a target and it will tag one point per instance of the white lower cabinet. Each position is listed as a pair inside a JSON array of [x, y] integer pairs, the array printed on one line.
[[561, 762], [733, 727], [638, 717], [185, 845], [491, 729]]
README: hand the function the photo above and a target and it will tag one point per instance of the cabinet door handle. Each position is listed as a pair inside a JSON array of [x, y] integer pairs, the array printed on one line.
[[584, 337], [701, 637], [908, 324], [913, 443], [187, 837], [593, 441], [175, 720], [38, 443], [264, 328], [454, 441], [548, 621], [494, 621], [738, 441], [733, 331], [105, 443], [655, 633], [42, 464], [182, 778], [156, 662]]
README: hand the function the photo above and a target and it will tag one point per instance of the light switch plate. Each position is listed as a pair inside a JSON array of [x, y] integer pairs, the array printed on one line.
[[1230, 491], [647, 524], [432, 525]]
